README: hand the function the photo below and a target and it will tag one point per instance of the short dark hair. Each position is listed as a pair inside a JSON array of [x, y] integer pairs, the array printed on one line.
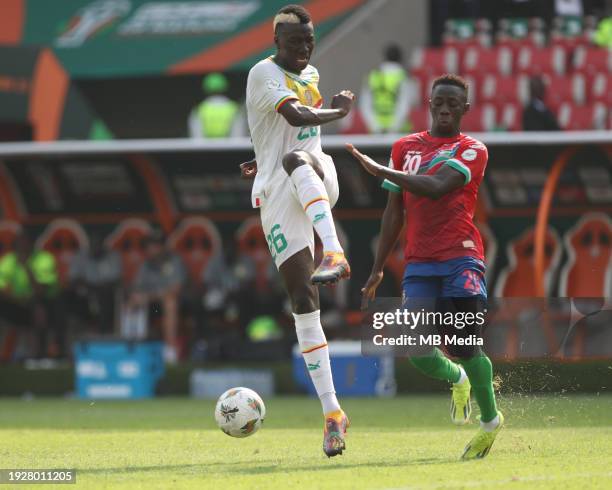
[[298, 10], [393, 53], [450, 79]]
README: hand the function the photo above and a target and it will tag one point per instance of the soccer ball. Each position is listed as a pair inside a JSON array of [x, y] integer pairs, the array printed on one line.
[[240, 412]]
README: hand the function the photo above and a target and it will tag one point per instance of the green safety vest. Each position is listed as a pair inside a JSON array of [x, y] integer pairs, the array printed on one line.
[[385, 90], [216, 118], [14, 275], [603, 36], [263, 328]]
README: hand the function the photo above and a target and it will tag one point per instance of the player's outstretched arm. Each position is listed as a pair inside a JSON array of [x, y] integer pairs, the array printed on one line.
[[434, 186], [297, 114], [390, 228]]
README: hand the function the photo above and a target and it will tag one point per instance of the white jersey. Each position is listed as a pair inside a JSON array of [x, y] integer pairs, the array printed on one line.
[[268, 88]]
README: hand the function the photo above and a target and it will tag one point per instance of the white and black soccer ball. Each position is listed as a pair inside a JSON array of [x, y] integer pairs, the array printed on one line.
[[240, 412]]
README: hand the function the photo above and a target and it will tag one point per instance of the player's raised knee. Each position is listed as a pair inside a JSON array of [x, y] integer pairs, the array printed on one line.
[[295, 159]]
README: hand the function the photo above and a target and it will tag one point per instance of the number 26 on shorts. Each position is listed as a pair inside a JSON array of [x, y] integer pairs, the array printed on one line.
[[276, 241]]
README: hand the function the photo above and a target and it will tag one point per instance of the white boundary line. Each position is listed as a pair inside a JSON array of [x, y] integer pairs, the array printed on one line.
[[335, 142]]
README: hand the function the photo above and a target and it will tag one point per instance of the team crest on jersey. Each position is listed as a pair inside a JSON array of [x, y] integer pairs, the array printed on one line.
[[469, 155], [306, 92], [412, 162], [308, 96]]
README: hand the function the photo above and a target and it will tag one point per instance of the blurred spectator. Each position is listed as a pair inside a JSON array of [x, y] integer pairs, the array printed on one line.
[[218, 315], [29, 288], [217, 116], [603, 34], [242, 288], [156, 291], [93, 277], [236, 291], [536, 115], [385, 97]]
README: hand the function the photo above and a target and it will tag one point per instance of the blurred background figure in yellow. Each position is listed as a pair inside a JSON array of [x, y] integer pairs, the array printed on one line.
[[217, 116], [29, 288], [603, 35], [385, 96]]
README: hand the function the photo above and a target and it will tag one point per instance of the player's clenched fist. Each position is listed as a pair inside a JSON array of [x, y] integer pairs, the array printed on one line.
[[344, 101], [248, 170]]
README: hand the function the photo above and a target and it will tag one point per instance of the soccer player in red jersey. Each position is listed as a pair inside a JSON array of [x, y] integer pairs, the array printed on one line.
[[433, 179]]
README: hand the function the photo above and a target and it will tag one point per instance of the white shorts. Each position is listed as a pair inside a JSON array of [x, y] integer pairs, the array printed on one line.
[[286, 225]]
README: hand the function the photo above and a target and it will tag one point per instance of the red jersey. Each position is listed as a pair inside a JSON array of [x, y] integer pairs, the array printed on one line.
[[442, 229]]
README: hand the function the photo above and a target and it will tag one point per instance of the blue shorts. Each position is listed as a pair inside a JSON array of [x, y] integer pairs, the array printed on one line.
[[462, 277]]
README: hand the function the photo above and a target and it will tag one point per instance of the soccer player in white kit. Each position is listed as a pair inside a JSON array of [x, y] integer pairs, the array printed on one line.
[[295, 188]]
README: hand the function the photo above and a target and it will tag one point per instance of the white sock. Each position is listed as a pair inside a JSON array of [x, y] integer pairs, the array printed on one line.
[[313, 197], [316, 355], [463, 376], [329, 402], [491, 425]]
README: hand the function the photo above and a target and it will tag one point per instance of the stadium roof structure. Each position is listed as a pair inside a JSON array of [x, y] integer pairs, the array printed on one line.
[[130, 38]]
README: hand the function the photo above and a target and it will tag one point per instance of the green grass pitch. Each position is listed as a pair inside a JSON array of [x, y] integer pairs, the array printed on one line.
[[408, 442]]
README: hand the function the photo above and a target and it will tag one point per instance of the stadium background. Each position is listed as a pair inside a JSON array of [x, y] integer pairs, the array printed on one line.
[[129, 79]]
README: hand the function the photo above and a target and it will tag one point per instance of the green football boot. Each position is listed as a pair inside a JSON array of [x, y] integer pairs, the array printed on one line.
[[461, 407], [481, 443]]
